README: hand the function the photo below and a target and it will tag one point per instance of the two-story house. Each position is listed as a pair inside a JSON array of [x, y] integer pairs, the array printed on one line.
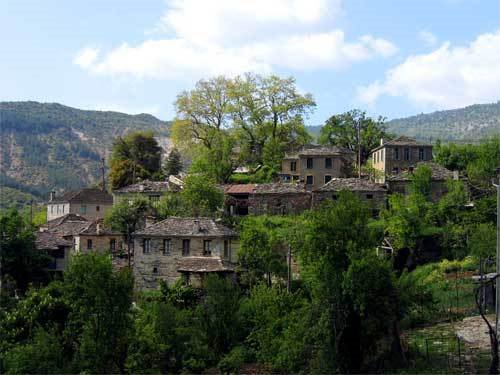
[[399, 155], [315, 166], [187, 248], [89, 202]]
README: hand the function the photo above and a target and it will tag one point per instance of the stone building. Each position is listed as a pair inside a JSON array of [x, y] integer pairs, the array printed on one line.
[[440, 175], [398, 156], [370, 192], [152, 190], [315, 166], [237, 198], [96, 237], [89, 202], [187, 248], [279, 199], [56, 247]]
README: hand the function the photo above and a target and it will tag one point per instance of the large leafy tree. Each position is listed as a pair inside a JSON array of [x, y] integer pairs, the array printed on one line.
[[355, 131], [134, 156], [201, 196]]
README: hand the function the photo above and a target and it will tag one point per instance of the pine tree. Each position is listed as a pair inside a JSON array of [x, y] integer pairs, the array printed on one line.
[[173, 165]]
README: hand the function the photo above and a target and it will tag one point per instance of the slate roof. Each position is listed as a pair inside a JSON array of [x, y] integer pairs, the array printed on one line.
[[439, 173], [67, 225], [146, 186], [402, 141], [239, 189], [280, 188], [187, 227], [319, 151], [92, 229], [204, 265], [87, 195], [50, 241], [351, 184]]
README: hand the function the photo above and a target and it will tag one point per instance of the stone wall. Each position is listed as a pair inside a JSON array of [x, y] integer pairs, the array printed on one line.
[[385, 160], [150, 268], [279, 204], [438, 188], [377, 201], [100, 243]]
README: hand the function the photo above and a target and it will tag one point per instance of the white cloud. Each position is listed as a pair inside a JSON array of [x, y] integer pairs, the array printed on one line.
[[86, 57], [448, 77], [428, 38], [209, 37]]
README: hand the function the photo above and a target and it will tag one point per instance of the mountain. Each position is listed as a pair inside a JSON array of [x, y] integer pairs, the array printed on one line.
[[471, 123], [45, 146]]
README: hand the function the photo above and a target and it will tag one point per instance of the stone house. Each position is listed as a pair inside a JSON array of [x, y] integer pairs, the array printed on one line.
[[370, 192], [56, 247], [96, 237], [187, 248], [315, 166], [279, 199], [152, 190], [89, 202], [399, 155], [440, 175]]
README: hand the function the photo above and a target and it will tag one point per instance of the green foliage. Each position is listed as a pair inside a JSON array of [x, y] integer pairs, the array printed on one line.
[[263, 175], [126, 216], [216, 162], [170, 204], [483, 240], [201, 196], [173, 164], [421, 181], [342, 131], [134, 156], [21, 263]]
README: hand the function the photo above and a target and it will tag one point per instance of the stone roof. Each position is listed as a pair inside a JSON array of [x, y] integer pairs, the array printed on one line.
[[187, 227], [147, 186], [239, 189], [319, 151], [67, 225], [351, 184], [65, 218], [97, 228], [280, 188], [50, 241], [401, 141], [439, 173], [204, 265], [87, 195]]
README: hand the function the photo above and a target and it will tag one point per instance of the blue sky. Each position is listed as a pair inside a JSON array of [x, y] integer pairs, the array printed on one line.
[[393, 58]]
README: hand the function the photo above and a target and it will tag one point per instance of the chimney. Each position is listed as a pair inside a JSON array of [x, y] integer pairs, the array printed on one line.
[[381, 141], [52, 196], [98, 228], [150, 220], [141, 187], [455, 175], [196, 226]]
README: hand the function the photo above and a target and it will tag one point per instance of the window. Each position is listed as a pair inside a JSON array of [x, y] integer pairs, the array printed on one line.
[[411, 169], [375, 157], [407, 153], [396, 153], [167, 247], [334, 197], [58, 254], [309, 163], [309, 180], [97, 208], [89, 244], [83, 209], [226, 249], [293, 166], [395, 170], [51, 208], [369, 196], [185, 247], [328, 178], [328, 163], [146, 246], [286, 178], [155, 270], [206, 247], [420, 154], [381, 155], [112, 244]]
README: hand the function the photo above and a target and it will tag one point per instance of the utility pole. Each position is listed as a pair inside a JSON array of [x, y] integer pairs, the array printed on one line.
[[497, 281], [359, 148], [289, 269], [103, 175]]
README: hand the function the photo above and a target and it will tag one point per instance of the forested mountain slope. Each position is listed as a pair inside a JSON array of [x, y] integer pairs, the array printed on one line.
[[46, 146]]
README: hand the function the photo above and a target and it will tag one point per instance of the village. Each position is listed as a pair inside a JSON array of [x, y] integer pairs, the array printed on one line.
[[189, 248]]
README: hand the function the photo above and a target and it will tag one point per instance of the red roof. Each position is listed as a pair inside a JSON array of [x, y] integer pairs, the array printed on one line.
[[240, 189]]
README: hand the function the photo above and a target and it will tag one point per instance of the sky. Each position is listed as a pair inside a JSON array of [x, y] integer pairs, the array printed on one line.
[[392, 58]]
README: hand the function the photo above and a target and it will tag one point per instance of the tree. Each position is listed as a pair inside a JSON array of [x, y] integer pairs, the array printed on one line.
[[354, 131], [201, 196], [173, 165], [21, 261], [482, 242], [135, 156], [420, 181]]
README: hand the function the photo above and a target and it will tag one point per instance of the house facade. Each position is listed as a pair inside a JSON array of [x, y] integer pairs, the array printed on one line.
[[89, 202], [187, 248], [370, 192], [398, 156], [151, 190], [315, 166]]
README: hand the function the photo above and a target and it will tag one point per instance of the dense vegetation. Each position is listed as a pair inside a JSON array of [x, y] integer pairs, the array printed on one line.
[[50, 146]]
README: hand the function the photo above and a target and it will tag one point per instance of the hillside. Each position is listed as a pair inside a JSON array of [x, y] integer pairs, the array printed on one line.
[[46, 146], [464, 124]]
